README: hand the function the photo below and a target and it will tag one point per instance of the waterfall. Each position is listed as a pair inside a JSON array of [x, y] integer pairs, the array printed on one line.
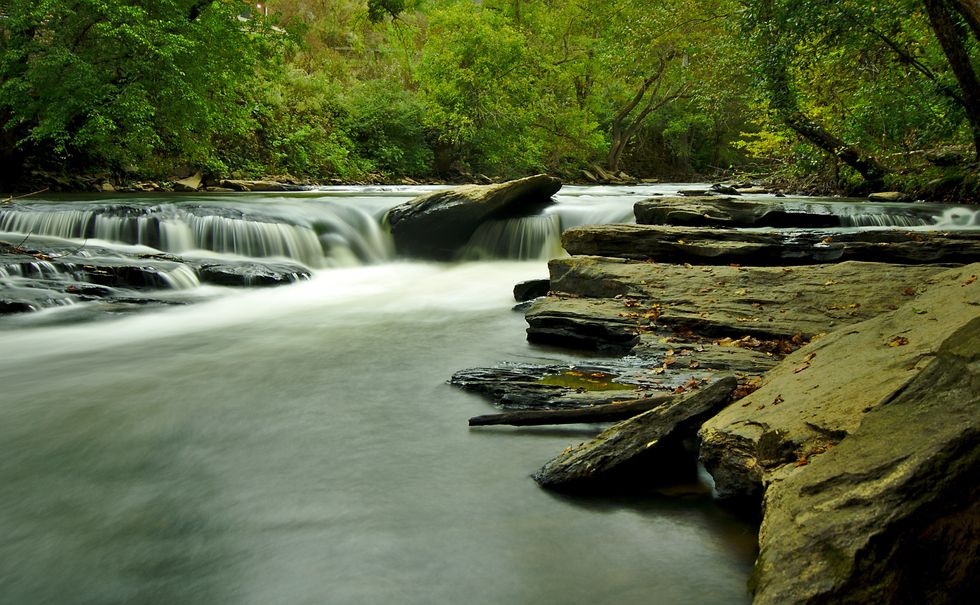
[[323, 236]]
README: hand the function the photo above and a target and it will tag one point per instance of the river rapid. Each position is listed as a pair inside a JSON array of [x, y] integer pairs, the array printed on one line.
[[300, 444]]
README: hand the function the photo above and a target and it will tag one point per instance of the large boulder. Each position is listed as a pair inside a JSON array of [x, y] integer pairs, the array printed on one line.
[[892, 513], [821, 393], [437, 225]]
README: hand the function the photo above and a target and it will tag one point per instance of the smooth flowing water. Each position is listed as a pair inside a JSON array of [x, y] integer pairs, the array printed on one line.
[[300, 444]]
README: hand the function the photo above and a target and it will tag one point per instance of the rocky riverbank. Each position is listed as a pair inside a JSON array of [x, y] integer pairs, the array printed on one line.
[[831, 380]]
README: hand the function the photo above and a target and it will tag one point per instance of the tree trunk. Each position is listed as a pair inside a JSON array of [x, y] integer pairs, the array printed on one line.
[[959, 60], [868, 167], [610, 412]]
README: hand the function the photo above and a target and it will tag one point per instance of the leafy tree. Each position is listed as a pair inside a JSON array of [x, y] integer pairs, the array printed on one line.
[[475, 77], [125, 83]]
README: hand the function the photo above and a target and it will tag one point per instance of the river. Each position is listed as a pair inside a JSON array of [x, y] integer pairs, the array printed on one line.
[[300, 444]]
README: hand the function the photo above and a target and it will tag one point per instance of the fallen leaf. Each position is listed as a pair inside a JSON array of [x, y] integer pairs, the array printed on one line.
[[806, 364], [779, 399], [898, 341], [693, 365], [809, 357], [909, 291], [970, 280]]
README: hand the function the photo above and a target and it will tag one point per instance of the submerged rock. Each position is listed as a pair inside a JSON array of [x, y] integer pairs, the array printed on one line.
[[654, 435], [435, 226]]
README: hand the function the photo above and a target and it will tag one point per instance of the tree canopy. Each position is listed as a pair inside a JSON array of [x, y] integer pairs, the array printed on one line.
[[853, 90]]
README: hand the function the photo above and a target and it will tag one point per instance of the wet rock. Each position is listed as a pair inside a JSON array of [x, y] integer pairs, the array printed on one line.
[[257, 185], [652, 436], [531, 289], [525, 386], [723, 189], [752, 190], [435, 226], [709, 246], [726, 212], [191, 183], [891, 513], [889, 196], [250, 273], [821, 393]]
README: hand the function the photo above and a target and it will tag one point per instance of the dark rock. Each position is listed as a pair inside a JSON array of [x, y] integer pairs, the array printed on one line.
[[724, 189], [522, 386], [250, 273], [652, 436], [581, 324], [728, 246], [533, 288], [437, 225], [726, 212]]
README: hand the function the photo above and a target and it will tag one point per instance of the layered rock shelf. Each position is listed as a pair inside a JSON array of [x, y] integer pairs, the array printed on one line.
[[851, 426]]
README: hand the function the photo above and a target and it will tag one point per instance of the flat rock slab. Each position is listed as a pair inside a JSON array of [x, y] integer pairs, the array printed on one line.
[[437, 225], [891, 514], [821, 393], [609, 304], [522, 386], [709, 246], [726, 212], [644, 435]]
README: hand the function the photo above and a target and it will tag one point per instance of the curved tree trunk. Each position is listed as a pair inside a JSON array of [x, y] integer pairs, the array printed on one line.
[[954, 48]]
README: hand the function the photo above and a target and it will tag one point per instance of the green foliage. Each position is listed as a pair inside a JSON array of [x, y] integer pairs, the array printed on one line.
[[386, 127], [349, 89], [474, 75], [121, 84]]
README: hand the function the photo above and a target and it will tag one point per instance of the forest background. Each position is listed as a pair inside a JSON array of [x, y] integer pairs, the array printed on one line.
[[825, 95]]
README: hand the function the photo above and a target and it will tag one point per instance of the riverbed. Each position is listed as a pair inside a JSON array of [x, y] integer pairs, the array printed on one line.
[[300, 444]]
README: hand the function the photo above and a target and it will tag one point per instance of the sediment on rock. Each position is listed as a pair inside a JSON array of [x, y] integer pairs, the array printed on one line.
[[608, 304], [820, 394], [891, 513]]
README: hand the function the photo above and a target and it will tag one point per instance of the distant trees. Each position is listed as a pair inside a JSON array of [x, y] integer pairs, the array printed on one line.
[[351, 88], [116, 84]]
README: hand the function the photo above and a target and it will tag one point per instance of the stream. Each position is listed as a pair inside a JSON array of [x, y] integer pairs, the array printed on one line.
[[300, 444]]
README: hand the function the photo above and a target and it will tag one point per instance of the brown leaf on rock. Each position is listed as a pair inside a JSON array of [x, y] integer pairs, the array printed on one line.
[[970, 280], [898, 341]]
